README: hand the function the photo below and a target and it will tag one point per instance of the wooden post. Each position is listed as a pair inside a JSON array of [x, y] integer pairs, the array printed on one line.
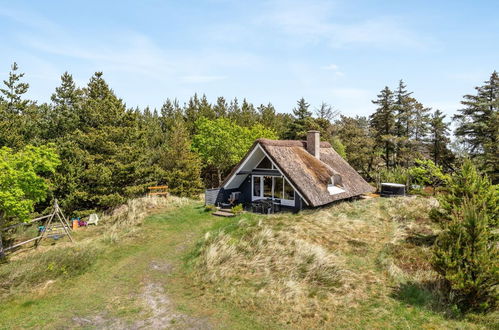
[[44, 233], [2, 252], [63, 223], [62, 214]]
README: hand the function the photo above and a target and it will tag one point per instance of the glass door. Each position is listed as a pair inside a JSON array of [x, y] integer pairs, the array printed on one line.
[[274, 187]]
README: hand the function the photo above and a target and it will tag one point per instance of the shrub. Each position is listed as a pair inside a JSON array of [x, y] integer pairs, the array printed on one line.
[[238, 209], [394, 175], [467, 257], [427, 173], [467, 183]]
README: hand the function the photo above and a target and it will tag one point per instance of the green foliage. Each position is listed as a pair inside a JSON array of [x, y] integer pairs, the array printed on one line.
[[238, 209], [400, 126], [468, 184], [467, 257], [210, 208], [182, 166], [302, 121], [478, 126], [32, 270], [356, 136], [426, 173], [383, 123], [397, 174], [339, 147], [13, 92], [221, 143], [439, 140], [13, 109], [22, 182]]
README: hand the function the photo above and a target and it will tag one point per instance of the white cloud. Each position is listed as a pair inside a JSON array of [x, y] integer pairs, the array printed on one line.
[[316, 21]]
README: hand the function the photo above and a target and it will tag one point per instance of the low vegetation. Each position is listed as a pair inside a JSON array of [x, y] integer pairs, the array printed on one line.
[[361, 264], [365, 263], [29, 268]]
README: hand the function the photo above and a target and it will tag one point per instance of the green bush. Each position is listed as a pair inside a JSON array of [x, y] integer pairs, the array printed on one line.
[[427, 173], [394, 175], [238, 209], [467, 257], [467, 183]]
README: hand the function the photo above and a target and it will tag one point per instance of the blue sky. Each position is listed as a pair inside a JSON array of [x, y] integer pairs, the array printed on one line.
[[340, 52]]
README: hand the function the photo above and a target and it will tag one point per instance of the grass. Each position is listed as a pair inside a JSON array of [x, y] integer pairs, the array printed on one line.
[[350, 265], [111, 291]]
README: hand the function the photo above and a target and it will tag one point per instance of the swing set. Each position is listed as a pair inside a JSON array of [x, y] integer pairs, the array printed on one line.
[[55, 227]]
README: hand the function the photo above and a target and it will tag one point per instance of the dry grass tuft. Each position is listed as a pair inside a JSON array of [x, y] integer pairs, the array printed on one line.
[[303, 269], [124, 219]]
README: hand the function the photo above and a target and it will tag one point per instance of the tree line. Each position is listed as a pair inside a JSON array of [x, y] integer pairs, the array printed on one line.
[[110, 152], [92, 152]]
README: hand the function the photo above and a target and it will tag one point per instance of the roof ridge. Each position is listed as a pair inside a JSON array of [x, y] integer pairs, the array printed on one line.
[[290, 143]]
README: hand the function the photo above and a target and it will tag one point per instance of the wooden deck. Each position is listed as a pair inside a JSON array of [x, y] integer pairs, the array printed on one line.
[[224, 213]]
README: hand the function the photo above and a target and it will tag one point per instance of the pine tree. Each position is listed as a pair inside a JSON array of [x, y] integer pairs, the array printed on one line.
[[302, 112], [221, 107], [478, 125], [359, 144], [439, 140], [66, 108], [248, 116], [467, 184], [181, 165], [467, 257], [205, 109], [234, 110], [326, 112], [13, 108], [421, 123], [170, 113], [191, 112], [302, 121], [403, 107], [383, 122], [14, 91], [105, 156]]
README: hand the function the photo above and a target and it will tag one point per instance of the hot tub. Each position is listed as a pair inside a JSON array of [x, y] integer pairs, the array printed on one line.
[[392, 189]]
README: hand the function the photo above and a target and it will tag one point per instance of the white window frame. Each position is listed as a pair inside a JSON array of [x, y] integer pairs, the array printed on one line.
[[285, 202], [258, 146]]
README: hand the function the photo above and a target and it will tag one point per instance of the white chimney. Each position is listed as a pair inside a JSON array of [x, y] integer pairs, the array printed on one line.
[[314, 143]]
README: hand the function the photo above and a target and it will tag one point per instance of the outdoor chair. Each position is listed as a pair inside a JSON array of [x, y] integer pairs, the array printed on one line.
[[233, 199]]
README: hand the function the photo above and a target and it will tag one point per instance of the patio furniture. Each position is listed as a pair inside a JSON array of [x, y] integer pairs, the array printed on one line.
[[233, 199], [276, 206], [264, 206]]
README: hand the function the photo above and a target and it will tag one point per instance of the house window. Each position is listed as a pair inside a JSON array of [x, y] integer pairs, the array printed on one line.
[[337, 181], [274, 187], [267, 186], [278, 187], [289, 192], [256, 185]]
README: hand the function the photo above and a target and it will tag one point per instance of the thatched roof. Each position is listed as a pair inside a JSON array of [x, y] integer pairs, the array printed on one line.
[[312, 176], [309, 175]]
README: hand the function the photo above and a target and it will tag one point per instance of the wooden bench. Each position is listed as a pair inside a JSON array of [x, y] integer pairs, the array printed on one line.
[[158, 191]]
